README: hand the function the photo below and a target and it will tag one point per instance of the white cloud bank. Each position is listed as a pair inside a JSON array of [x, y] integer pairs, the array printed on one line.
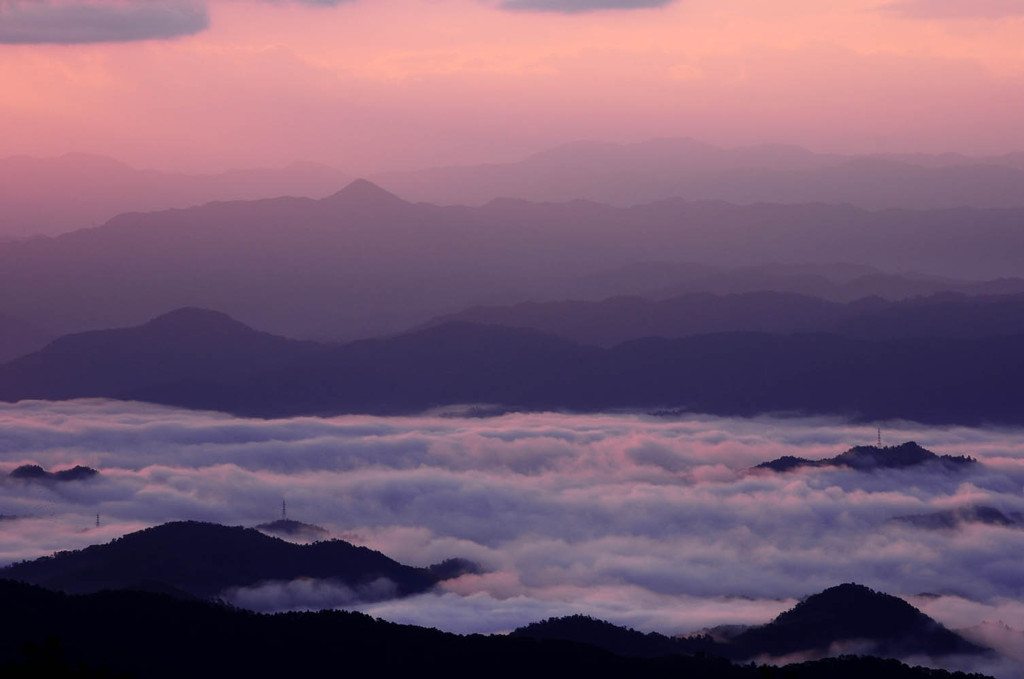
[[653, 523]]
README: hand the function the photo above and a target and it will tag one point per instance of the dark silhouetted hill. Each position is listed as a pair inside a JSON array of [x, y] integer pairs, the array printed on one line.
[[205, 559], [157, 637], [867, 458], [889, 626], [619, 640], [33, 472], [885, 625]]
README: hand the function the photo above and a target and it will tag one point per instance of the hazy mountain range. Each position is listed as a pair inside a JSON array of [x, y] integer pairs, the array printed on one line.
[[202, 359], [363, 262], [619, 319], [40, 196], [54, 195], [630, 174]]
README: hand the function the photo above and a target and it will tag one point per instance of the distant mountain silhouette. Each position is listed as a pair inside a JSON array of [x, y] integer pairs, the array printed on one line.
[[853, 613], [644, 172], [186, 344], [620, 319], [971, 514], [834, 281], [204, 360], [205, 559], [33, 472], [152, 635], [364, 195], [868, 458], [362, 262], [76, 191]]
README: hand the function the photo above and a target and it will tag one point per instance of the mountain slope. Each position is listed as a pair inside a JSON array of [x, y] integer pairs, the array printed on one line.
[[76, 191], [204, 560], [186, 344], [18, 338]]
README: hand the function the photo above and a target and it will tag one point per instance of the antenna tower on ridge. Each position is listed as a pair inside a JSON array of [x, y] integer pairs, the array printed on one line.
[[284, 510], [879, 437], [97, 520]]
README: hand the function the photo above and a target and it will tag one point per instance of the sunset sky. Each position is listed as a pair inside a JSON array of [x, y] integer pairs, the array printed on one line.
[[367, 85]]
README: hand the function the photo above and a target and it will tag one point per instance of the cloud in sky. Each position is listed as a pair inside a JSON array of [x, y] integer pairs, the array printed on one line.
[[95, 21], [579, 6], [74, 22], [653, 523], [955, 9]]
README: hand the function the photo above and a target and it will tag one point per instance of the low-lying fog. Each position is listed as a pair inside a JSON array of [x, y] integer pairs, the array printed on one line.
[[653, 523]]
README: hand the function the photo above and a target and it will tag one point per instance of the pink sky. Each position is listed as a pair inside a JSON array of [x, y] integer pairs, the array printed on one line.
[[378, 84]]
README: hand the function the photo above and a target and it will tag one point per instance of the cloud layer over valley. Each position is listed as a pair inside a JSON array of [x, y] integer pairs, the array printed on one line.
[[654, 523]]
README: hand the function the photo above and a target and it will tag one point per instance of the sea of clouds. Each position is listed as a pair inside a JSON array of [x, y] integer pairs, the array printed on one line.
[[656, 523]]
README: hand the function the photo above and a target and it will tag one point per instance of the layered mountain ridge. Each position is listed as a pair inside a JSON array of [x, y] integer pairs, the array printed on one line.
[[363, 262], [202, 360]]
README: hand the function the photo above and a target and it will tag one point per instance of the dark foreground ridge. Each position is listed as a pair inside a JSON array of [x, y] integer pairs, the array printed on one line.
[[148, 635], [204, 360], [868, 458], [204, 559]]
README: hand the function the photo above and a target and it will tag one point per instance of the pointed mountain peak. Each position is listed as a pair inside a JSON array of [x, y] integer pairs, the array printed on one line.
[[363, 193]]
